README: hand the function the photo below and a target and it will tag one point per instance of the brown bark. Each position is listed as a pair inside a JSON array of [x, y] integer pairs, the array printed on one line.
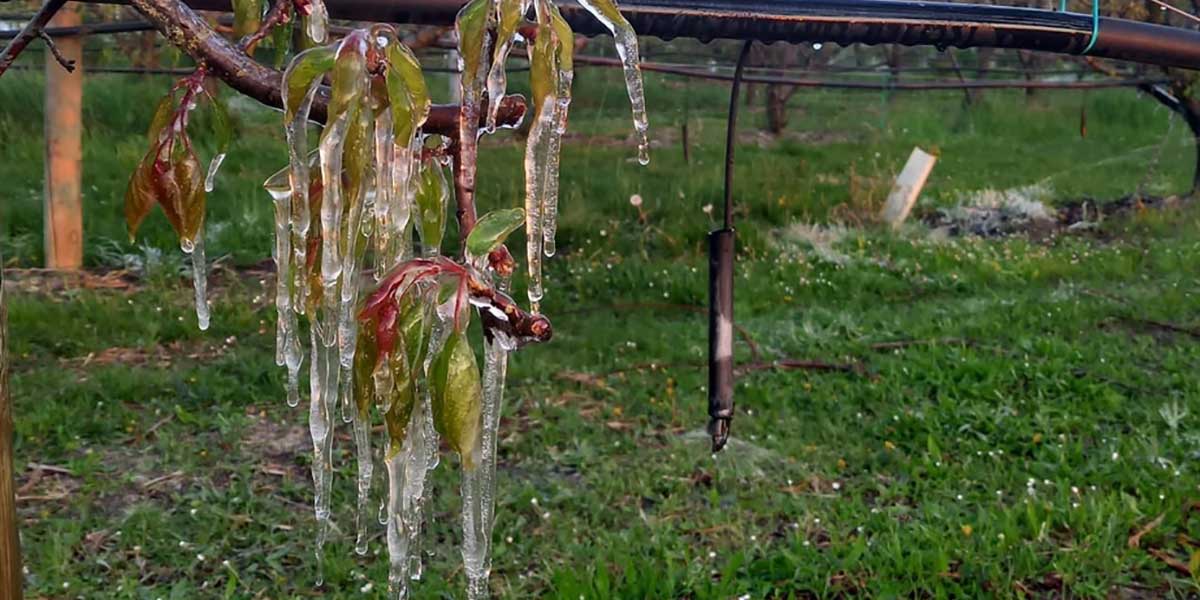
[[190, 33], [27, 34]]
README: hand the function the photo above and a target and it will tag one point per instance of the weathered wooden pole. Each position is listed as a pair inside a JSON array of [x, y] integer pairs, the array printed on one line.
[[63, 213], [10, 543]]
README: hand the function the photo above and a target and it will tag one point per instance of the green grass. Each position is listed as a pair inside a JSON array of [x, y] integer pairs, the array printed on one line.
[[1039, 361]]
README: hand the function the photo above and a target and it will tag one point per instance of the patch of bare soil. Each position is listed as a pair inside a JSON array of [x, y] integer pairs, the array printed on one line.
[[158, 356]]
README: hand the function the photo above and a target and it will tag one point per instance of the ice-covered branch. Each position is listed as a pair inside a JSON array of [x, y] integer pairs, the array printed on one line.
[[189, 32]]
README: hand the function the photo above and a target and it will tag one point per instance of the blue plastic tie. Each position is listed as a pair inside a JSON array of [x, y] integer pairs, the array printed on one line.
[[1095, 26], [1062, 7]]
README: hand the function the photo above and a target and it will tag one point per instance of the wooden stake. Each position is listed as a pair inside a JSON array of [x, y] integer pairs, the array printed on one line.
[[10, 543], [64, 149]]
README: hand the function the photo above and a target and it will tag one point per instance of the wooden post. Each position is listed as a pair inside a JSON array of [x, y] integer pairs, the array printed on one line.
[[10, 543], [64, 149]]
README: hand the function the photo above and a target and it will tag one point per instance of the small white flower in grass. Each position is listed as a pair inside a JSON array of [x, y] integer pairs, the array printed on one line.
[[199, 558], [712, 554], [707, 208], [66, 584], [1115, 456], [836, 486], [508, 539], [636, 200], [367, 587]]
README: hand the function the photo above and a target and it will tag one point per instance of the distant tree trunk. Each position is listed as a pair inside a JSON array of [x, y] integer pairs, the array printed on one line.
[[777, 117], [1029, 64], [983, 66]]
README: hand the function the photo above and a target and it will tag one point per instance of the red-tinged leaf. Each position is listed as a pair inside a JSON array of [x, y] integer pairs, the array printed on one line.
[[190, 175], [163, 114], [139, 195]]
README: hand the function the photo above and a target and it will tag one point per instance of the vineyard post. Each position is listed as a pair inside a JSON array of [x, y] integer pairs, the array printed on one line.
[[63, 209]]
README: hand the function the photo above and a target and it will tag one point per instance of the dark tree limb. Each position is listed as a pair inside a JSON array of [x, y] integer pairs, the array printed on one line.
[[63, 61], [187, 31], [32, 29]]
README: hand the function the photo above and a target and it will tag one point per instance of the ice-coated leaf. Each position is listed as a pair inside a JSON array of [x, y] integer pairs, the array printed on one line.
[[492, 229], [543, 74], [407, 92], [366, 357], [307, 67], [457, 397], [221, 122], [139, 195], [565, 38], [190, 176], [349, 75], [281, 41], [357, 153], [247, 16], [472, 24], [162, 116], [431, 204]]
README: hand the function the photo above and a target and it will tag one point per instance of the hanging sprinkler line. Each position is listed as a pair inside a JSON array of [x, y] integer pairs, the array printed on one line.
[[731, 132], [721, 253]]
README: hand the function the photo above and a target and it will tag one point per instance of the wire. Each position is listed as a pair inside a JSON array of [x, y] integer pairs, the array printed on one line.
[[731, 132]]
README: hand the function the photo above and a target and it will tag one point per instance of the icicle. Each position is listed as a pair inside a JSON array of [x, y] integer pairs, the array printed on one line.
[[562, 105], [536, 153], [318, 22], [627, 48], [323, 384], [213, 167], [298, 159], [366, 469], [332, 143], [509, 15], [195, 249], [479, 485]]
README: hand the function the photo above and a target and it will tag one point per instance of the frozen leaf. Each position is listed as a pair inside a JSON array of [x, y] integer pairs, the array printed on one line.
[[493, 229], [407, 93], [366, 357], [308, 67], [247, 17], [163, 114], [431, 204], [472, 24], [281, 41], [139, 195], [221, 122], [457, 397]]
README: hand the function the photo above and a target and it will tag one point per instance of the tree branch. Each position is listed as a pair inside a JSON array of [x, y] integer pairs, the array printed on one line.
[[64, 62], [31, 30], [186, 30]]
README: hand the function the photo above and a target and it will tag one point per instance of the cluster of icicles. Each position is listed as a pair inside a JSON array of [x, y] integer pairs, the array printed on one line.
[[376, 186]]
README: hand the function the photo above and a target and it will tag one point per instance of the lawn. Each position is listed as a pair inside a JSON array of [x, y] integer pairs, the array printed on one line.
[[1002, 416]]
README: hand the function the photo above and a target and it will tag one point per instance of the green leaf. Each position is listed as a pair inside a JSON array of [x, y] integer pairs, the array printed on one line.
[[349, 75], [510, 15], [543, 71], [281, 41], [457, 397], [493, 229], [407, 92], [221, 122], [308, 67], [247, 17], [565, 38], [472, 25], [356, 157], [431, 198]]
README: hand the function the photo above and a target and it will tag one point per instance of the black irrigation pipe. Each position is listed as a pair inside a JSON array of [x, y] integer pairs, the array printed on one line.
[[938, 24]]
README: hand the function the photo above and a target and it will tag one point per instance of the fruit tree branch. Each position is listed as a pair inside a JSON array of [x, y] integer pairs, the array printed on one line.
[[190, 33], [32, 29]]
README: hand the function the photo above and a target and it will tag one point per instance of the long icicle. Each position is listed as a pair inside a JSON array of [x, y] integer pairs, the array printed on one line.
[[564, 64], [195, 249], [627, 48], [509, 15], [479, 485]]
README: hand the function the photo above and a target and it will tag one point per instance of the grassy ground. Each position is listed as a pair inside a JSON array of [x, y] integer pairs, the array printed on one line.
[[1016, 410]]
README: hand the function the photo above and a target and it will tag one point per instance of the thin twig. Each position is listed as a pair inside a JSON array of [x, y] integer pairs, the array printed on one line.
[[65, 62], [31, 30], [280, 13]]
